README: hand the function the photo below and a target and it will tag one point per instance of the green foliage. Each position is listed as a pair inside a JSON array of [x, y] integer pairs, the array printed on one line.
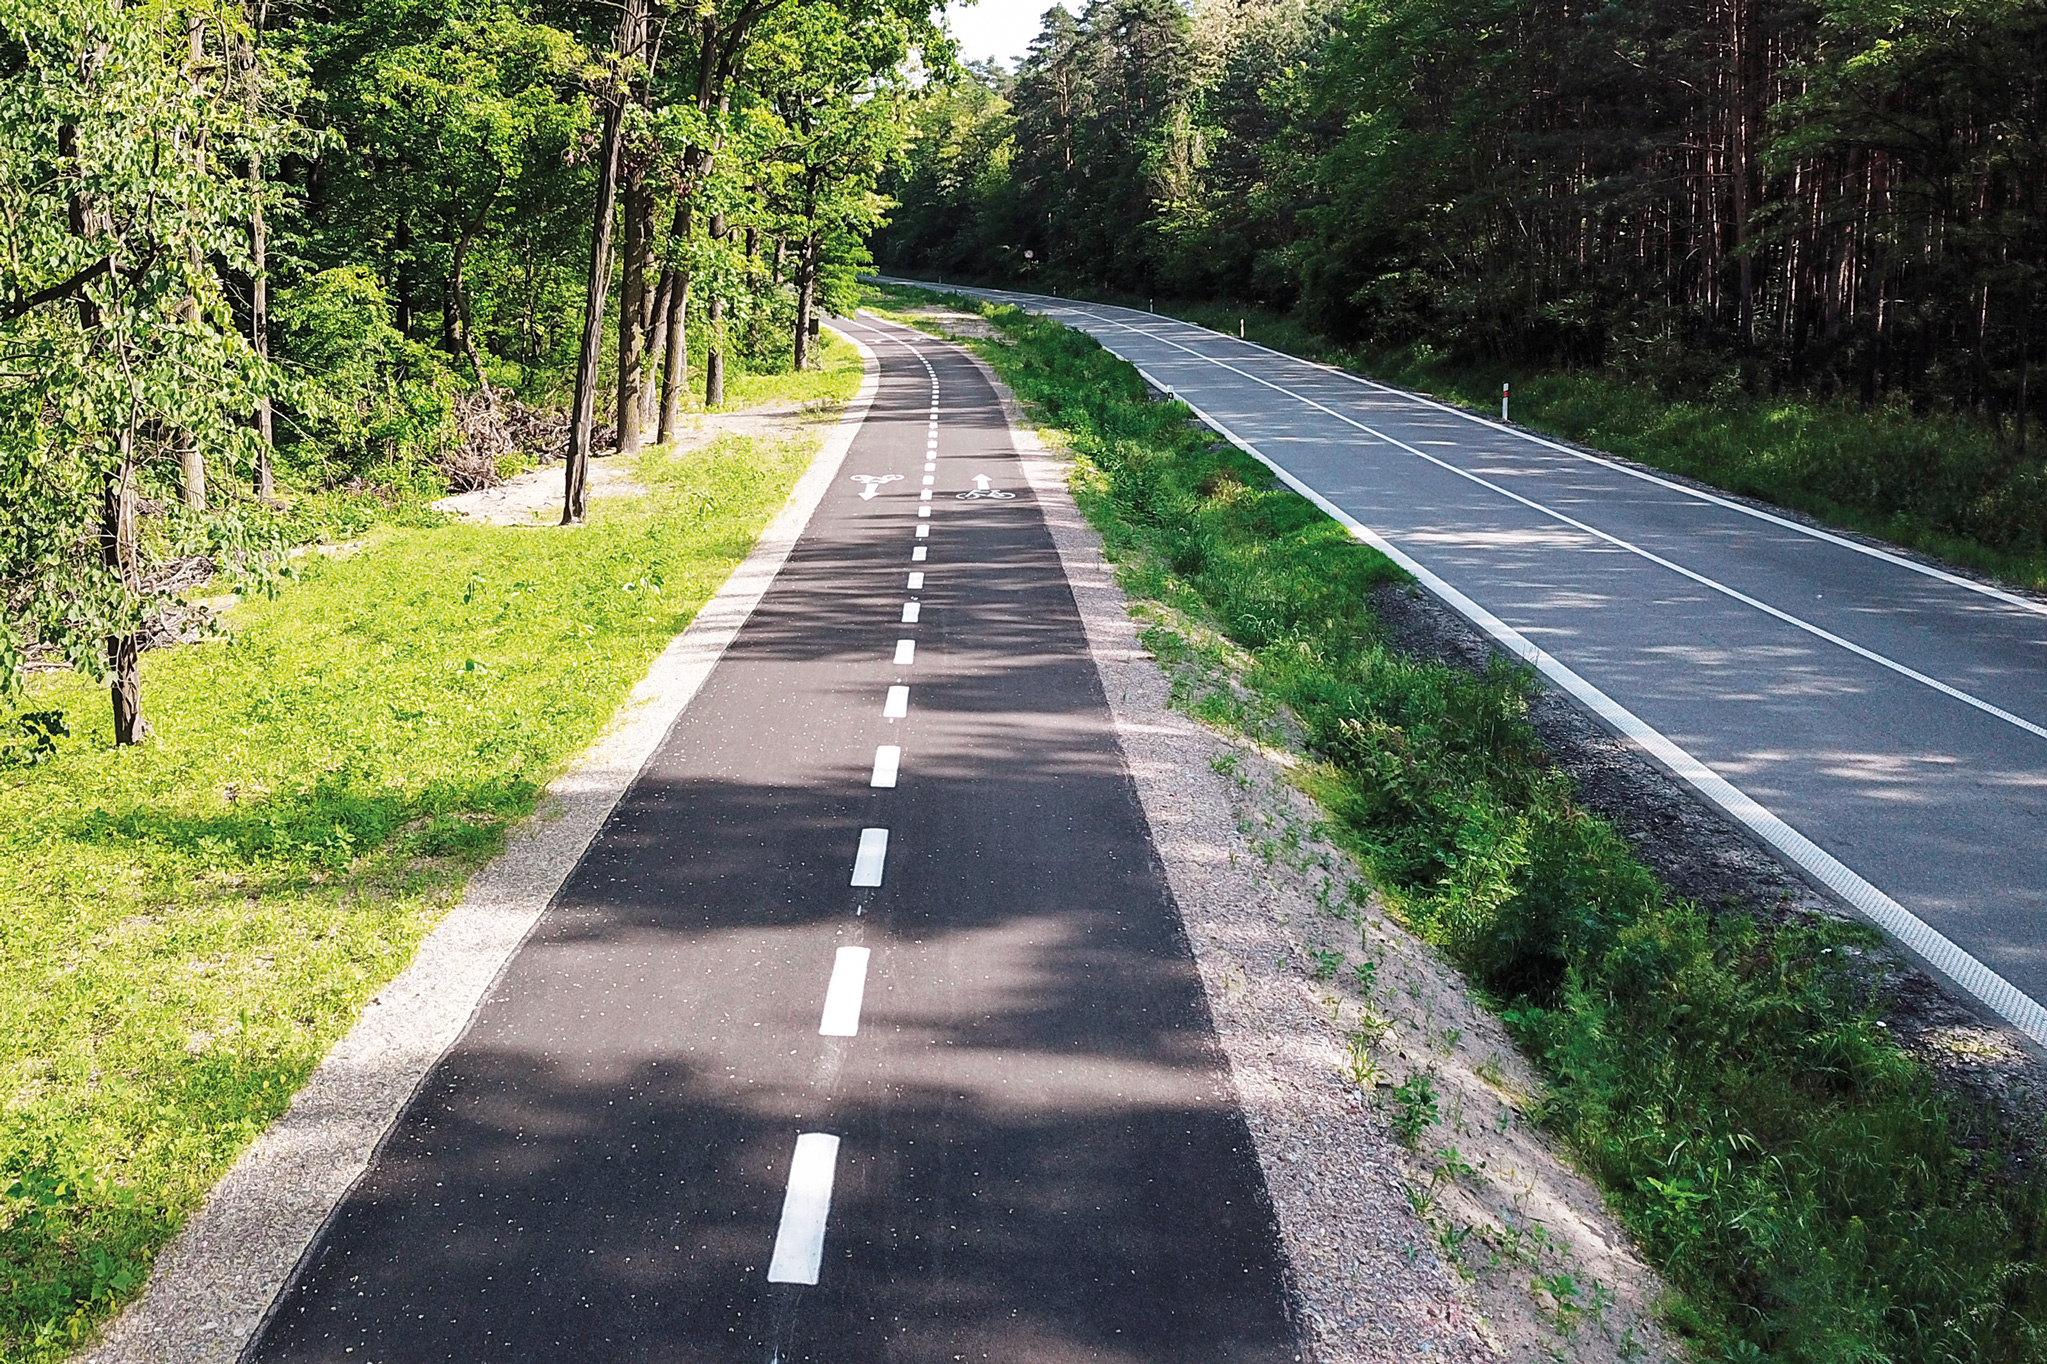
[[193, 923], [1781, 1160]]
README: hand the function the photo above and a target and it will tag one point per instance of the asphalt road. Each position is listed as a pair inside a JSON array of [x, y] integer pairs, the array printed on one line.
[[866, 1030], [1881, 723]]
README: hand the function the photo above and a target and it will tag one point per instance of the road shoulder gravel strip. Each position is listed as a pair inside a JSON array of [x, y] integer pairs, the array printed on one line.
[[213, 1285], [1481, 1243]]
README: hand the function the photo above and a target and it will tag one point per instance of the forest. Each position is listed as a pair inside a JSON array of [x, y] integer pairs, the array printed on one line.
[[261, 254], [1713, 200]]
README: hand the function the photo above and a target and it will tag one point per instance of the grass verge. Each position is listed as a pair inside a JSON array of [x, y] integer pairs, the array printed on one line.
[[193, 922], [1727, 1082]]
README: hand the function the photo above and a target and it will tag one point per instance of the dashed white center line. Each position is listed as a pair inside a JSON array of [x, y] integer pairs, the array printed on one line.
[[868, 861], [917, 553], [842, 997], [929, 480], [910, 610], [906, 652], [923, 532], [887, 759], [916, 582], [898, 704], [799, 1241], [923, 511], [925, 495]]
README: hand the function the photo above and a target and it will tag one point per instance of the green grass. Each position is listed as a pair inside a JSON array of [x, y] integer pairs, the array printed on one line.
[[1788, 1168], [190, 924]]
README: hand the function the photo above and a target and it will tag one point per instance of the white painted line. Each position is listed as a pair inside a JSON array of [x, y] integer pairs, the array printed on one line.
[[923, 532], [887, 758], [916, 582], [1946, 956], [906, 651], [898, 704], [910, 610], [924, 496], [799, 1241], [2009, 598], [1733, 594], [842, 997], [873, 852], [923, 511], [929, 480], [917, 553]]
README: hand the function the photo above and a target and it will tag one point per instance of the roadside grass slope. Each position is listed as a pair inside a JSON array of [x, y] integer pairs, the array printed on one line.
[[192, 923], [1727, 1082]]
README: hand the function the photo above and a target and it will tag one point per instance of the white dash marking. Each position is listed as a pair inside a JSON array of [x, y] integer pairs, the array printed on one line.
[[898, 704], [799, 1241], [929, 480], [917, 553], [873, 852], [924, 496], [842, 997], [887, 759], [910, 610], [923, 511], [917, 582], [924, 532], [906, 651]]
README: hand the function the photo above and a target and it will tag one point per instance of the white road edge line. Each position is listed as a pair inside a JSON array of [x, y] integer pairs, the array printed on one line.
[[799, 1241], [867, 862], [1903, 670], [213, 1286], [1939, 951], [888, 760], [843, 997]]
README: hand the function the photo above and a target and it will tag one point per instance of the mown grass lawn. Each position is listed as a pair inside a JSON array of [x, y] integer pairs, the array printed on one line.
[[189, 925]]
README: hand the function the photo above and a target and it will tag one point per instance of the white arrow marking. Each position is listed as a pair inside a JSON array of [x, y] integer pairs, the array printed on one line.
[[870, 484], [981, 482]]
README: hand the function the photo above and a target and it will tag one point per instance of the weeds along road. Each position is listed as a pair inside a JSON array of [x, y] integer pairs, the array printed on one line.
[[866, 1029], [1881, 723]]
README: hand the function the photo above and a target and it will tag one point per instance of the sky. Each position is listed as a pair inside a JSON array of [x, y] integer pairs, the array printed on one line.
[[995, 28]]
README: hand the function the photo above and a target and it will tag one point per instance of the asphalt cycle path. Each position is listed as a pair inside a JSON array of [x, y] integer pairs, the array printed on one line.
[[1880, 722], [866, 1030]]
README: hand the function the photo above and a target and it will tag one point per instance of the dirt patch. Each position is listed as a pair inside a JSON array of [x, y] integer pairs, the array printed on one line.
[[958, 325]]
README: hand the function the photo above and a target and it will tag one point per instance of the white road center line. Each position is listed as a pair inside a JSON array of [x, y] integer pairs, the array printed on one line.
[[917, 553], [910, 610], [923, 511], [842, 997], [929, 480], [897, 705], [887, 758], [916, 582], [1701, 579], [925, 495], [873, 852], [799, 1241], [906, 651], [923, 532]]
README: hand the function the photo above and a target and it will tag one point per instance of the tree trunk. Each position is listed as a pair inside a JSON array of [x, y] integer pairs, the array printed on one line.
[[806, 298], [118, 553], [714, 333], [259, 257], [675, 360], [576, 468], [632, 311], [657, 352], [191, 459]]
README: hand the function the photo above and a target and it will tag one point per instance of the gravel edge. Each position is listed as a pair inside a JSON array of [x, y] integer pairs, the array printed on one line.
[[213, 1285]]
